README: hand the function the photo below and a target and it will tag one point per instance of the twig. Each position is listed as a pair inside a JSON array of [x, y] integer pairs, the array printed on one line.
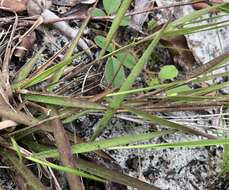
[[65, 29]]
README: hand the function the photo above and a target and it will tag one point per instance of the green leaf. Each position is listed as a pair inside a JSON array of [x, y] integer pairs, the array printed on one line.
[[114, 72], [127, 59], [111, 6], [100, 41], [97, 12], [168, 72], [153, 82], [175, 91], [125, 21]]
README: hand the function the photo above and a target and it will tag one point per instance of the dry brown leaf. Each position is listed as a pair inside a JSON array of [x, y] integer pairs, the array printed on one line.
[[202, 5], [26, 43], [180, 52], [14, 5]]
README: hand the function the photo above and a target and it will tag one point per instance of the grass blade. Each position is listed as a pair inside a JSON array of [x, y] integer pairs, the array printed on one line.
[[29, 177], [115, 25], [185, 144], [117, 100], [65, 169], [161, 121], [103, 144], [61, 101], [27, 67]]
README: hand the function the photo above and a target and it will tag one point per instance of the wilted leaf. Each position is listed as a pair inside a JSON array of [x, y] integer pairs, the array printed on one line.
[[100, 41], [168, 72], [114, 72], [111, 6], [127, 59], [98, 12]]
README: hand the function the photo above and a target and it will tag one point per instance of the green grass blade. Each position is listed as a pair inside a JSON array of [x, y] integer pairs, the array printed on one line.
[[31, 180], [195, 15], [16, 148], [77, 116], [115, 25], [41, 76], [62, 101], [101, 171], [65, 169], [27, 67], [164, 122], [185, 144], [103, 144], [70, 51]]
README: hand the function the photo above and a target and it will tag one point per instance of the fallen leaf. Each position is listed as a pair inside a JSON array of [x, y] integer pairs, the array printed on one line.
[[26, 43], [180, 52], [14, 5]]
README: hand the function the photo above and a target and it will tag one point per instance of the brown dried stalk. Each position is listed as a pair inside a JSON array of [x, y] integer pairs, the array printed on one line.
[[66, 156]]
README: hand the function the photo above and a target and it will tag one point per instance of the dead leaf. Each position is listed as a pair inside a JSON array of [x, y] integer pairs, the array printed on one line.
[[14, 5], [202, 5], [180, 52], [26, 43]]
